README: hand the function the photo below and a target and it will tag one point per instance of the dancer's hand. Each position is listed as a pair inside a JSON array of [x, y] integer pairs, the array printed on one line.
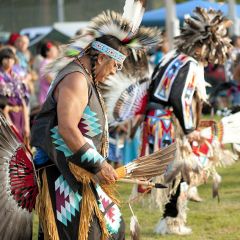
[[107, 174]]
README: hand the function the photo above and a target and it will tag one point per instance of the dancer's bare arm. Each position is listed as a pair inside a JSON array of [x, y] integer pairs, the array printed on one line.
[[72, 98]]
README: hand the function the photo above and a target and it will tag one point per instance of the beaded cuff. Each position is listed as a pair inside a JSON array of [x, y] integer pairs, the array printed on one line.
[[88, 158]]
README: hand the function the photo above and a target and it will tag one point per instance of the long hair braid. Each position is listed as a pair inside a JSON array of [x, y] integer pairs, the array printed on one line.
[[93, 59]]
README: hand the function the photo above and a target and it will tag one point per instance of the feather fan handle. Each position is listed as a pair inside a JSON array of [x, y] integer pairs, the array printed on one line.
[[149, 166], [141, 182]]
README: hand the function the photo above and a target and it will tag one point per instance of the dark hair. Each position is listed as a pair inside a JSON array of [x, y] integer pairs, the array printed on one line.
[[6, 53], [45, 48], [234, 39], [136, 67], [113, 42]]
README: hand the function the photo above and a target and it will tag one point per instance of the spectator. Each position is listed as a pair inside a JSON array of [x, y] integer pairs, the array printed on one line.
[[12, 39], [12, 86], [49, 51], [161, 49], [229, 63], [23, 55]]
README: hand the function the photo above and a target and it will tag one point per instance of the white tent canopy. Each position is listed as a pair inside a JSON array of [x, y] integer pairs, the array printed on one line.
[[68, 29]]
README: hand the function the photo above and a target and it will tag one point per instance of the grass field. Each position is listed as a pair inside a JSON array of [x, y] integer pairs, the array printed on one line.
[[209, 220]]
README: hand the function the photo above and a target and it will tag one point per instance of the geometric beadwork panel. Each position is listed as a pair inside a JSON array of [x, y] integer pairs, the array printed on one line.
[[67, 202], [164, 87], [112, 215], [59, 142], [160, 128], [187, 97], [92, 155], [89, 125]]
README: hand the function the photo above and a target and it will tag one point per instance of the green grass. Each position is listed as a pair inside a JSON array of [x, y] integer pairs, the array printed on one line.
[[209, 219]]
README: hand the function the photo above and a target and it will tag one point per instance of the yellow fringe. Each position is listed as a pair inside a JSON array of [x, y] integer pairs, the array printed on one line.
[[45, 211], [89, 203], [111, 191]]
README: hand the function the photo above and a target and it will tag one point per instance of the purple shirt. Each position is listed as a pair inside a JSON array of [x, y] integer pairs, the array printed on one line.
[[12, 86], [43, 82]]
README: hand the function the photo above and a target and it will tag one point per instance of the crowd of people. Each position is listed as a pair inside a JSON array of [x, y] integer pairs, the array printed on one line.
[[69, 132], [24, 83]]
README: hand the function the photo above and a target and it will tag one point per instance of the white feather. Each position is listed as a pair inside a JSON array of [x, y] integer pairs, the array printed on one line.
[[231, 128], [111, 29], [111, 97], [133, 11], [82, 42], [134, 228], [128, 9], [206, 133], [201, 83]]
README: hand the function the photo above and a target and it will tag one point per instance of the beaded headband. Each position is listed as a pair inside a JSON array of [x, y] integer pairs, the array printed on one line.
[[103, 48]]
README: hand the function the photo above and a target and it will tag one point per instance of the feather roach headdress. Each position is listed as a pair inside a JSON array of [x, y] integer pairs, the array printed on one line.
[[123, 27], [204, 36]]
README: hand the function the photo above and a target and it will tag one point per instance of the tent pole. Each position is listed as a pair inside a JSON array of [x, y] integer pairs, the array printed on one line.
[[172, 23], [60, 10], [233, 16]]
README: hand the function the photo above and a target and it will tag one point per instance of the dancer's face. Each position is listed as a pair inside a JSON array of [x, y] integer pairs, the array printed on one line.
[[7, 63], [105, 67]]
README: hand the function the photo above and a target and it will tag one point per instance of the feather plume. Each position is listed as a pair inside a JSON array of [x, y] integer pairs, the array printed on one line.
[[206, 28], [226, 130], [126, 29], [134, 228], [216, 183], [18, 185], [236, 148], [129, 103], [111, 91], [124, 101], [133, 12]]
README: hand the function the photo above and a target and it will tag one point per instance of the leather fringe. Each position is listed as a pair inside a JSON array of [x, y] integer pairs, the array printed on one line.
[[45, 211], [89, 203]]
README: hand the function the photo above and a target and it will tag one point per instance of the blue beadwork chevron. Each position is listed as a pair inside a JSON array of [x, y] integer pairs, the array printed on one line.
[[164, 87], [89, 123], [92, 155], [59, 142]]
